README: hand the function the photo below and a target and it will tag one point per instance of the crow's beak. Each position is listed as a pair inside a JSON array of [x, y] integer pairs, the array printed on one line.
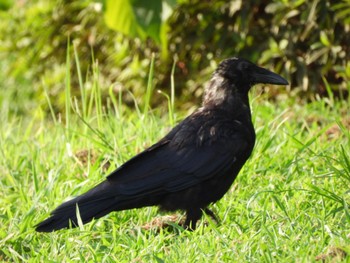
[[261, 75]]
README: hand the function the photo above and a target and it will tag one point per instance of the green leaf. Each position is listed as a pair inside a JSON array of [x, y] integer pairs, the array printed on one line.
[[139, 18], [119, 15], [324, 39], [148, 17], [6, 4]]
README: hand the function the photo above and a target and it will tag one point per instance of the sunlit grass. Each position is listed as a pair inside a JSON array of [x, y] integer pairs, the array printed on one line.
[[290, 202]]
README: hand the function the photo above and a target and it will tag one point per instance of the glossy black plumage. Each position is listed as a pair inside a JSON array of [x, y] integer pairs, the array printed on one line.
[[192, 166]]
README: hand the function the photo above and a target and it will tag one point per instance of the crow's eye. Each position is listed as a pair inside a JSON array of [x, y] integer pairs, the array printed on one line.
[[242, 66], [245, 66]]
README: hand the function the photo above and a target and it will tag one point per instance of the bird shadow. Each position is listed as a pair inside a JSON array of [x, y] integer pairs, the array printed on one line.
[[171, 223], [174, 224]]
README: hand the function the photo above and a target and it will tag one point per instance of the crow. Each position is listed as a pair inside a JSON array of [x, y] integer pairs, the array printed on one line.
[[193, 166]]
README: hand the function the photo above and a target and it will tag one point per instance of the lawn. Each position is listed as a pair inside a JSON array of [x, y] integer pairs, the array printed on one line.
[[288, 204]]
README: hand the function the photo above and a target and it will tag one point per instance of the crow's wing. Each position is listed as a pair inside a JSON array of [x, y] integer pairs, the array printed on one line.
[[191, 153], [179, 161]]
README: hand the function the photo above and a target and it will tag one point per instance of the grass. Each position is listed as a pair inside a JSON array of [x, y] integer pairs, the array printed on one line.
[[290, 202]]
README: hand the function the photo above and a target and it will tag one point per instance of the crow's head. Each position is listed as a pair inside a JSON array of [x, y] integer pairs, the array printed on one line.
[[244, 74], [232, 80]]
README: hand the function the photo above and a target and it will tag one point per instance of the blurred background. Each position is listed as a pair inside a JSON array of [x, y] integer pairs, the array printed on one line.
[[307, 42]]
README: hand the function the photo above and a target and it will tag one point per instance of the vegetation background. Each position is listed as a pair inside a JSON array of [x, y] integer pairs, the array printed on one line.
[[306, 41], [78, 82]]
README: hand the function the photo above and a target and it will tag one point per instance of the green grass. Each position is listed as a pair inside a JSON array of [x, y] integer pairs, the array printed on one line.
[[290, 202]]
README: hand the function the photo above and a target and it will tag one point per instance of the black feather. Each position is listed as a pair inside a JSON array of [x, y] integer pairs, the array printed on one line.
[[191, 167]]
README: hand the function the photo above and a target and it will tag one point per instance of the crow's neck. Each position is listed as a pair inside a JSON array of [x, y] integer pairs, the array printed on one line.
[[221, 94]]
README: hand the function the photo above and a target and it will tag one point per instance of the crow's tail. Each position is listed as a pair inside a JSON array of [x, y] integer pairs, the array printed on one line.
[[95, 203]]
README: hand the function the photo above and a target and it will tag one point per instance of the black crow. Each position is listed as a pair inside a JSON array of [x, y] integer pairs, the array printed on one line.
[[193, 166]]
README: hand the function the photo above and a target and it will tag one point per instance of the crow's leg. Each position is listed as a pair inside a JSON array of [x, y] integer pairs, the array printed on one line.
[[192, 216]]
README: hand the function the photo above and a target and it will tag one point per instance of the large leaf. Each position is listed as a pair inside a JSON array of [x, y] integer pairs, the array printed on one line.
[[139, 18], [6, 4]]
